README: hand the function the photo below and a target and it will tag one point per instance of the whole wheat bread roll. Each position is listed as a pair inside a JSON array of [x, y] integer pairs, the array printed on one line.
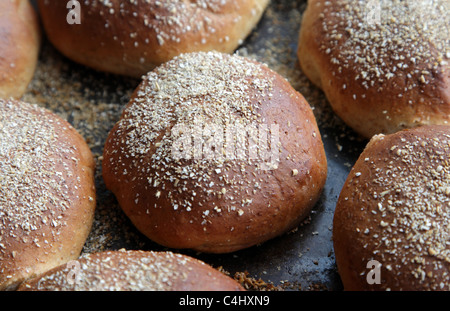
[[47, 194], [20, 39], [391, 227], [133, 270], [216, 153], [383, 65], [132, 37]]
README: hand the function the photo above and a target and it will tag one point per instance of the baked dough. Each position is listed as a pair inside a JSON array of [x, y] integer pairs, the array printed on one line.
[[216, 153], [394, 211], [383, 65], [133, 270], [20, 40], [132, 37], [47, 193]]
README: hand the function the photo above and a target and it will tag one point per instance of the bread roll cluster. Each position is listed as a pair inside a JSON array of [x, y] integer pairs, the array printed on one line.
[[384, 68], [46, 173], [217, 153]]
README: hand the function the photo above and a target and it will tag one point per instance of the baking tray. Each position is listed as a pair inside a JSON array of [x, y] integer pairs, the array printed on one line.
[[301, 260]]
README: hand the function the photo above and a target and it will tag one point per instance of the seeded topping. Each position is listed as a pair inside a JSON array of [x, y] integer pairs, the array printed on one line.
[[195, 97], [33, 169], [411, 216], [384, 39], [115, 271], [170, 20]]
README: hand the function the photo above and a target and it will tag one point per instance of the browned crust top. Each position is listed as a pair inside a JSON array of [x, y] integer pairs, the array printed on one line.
[[133, 271], [395, 207]]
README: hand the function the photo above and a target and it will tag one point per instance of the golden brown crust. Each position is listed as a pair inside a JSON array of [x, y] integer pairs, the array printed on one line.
[[20, 39], [132, 37], [213, 202], [394, 208], [133, 271], [47, 194], [379, 75]]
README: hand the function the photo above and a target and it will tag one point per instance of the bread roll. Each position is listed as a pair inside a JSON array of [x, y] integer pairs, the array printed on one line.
[[20, 40], [132, 37], [383, 65], [394, 210], [133, 270], [47, 195], [216, 153]]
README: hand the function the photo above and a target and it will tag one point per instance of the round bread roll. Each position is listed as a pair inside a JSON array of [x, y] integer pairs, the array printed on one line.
[[132, 37], [20, 40], [215, 153], [383, 65], [133, 270], [394, 211], [47, 195]]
